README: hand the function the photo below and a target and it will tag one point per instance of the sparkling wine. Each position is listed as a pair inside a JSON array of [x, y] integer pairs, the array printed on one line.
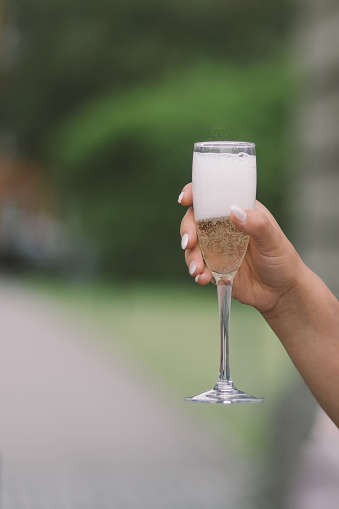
[[223, 245], [219, 181]]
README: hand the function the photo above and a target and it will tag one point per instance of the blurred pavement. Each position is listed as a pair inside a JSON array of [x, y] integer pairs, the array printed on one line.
[[316, 484], [80, 428]]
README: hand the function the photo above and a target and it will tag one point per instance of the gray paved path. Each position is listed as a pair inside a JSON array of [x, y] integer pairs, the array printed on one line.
[[78, 431], [317, 481]]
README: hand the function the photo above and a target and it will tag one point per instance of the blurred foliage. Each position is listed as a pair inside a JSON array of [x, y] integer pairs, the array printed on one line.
[[73, 50], [113, 94], [128, 155]]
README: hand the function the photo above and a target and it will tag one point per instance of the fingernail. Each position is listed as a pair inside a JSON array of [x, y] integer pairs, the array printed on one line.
[[239, 213], [196, 279], [184, 241], [181, 195], [192, 268]]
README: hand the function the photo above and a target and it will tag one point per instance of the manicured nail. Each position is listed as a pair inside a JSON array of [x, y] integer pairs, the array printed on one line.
[[184, 241], [239, 213], [192, 268], [196, 279], [181, 195]]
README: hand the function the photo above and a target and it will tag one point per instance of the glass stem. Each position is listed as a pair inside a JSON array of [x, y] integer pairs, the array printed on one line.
[[224, 300]]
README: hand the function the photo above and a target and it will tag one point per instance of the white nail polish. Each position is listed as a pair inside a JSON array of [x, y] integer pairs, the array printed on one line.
[[192, 268], [184, 241], [181, 195], [197, 278], [239, 213]]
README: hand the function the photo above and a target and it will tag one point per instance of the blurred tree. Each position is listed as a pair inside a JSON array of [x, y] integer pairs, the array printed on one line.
[[297, 467], [123, 159], [113, 94], [74, 50], [316, 129]]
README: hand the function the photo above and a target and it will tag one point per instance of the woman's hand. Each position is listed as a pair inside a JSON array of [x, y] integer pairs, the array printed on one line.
[[295, 302], [271, 267]]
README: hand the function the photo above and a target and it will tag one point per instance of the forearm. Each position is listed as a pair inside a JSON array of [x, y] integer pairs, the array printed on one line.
[[306, 320]]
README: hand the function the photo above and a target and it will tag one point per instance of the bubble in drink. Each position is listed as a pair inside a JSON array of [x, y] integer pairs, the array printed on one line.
[[222, 244]]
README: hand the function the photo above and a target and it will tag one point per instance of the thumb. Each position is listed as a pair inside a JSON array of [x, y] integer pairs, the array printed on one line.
[[260, 225]]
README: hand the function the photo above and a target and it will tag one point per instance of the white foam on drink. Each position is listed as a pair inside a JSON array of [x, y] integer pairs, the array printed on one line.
[[221, 180]]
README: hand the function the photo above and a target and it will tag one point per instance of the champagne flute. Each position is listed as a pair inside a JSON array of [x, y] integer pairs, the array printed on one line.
[[223, 174]]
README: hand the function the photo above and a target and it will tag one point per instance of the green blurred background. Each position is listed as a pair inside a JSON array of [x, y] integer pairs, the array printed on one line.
[[109, 98], [101, 105]]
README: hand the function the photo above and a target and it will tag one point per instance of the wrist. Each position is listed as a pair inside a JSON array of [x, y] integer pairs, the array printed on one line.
[[290, 298]]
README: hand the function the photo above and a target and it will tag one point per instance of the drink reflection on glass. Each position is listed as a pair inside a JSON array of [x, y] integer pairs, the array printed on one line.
[[223, 174]]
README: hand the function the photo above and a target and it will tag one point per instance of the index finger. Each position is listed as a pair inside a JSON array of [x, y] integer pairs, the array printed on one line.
[[186, 195]]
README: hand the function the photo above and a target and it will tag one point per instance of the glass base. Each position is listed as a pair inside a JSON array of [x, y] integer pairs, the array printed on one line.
[[225, 393]]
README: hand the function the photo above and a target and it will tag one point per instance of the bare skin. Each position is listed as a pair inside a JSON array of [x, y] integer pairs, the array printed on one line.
[[295, 302]]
